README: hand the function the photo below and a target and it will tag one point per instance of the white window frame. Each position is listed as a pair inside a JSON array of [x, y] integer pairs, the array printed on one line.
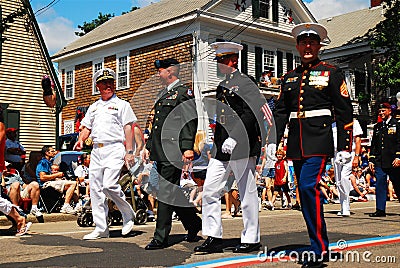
[[69, 84], [270, 61], [119, 75], [269, 14], [95, 69], [69, 125], [297, 61]]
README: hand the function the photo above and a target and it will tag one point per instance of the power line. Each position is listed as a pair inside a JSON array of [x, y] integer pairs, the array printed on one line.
[[45, 8]]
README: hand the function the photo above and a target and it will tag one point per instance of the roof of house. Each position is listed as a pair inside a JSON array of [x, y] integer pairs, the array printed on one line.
[[351, 27], [139, 19]]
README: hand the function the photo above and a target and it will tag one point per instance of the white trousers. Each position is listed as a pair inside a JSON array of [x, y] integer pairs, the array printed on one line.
[[343, 183], [104, 171], [5, 206], [217, 175]]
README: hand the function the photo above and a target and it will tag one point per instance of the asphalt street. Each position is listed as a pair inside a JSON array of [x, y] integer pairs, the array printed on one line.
[[376, 241]]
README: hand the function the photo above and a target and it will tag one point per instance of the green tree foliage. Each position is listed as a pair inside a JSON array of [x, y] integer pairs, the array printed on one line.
[[102, 18], [89, 26], [386, 39]]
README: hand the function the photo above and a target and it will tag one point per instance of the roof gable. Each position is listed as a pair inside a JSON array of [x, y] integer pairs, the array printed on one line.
[[351, 27], [142, 18]]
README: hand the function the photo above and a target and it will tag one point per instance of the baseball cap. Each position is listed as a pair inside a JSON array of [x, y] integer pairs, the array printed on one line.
[[11, 129], [385, 105]]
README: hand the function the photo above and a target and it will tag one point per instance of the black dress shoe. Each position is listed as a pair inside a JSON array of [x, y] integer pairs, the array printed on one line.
[[246, 247], [155, 244], [378, 213], [312, 264], [211, 245], [192, 236]]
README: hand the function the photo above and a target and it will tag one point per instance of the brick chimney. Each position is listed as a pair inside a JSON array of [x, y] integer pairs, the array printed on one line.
[[375, 3]]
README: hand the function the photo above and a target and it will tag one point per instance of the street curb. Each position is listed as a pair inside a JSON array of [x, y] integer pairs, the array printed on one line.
[[52, 217]]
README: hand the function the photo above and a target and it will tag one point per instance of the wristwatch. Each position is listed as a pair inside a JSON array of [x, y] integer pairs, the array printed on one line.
[[130, 152]]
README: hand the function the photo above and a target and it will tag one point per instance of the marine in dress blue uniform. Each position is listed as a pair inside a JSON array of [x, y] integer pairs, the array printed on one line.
[[237, 142], [308, 95], [170, 143], [385, 157]]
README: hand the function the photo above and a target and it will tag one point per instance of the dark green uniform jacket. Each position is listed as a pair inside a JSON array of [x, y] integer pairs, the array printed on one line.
[[174, 124], [385, 144]]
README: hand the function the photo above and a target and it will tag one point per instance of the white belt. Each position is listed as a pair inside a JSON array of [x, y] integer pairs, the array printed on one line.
[[313, 113]]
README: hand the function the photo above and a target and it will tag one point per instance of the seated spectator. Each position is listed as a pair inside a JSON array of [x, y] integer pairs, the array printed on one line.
[[28, 172], [369, 179], [82, 173], [14, 151], [12, 211], [328, 185], [265, 79], [17, 189], [55, 180], [359, 185]]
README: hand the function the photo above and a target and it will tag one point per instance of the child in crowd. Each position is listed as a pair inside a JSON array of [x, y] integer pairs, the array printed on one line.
[[188, 183], [55, 169], [328, 185], [260, 182], [281, 179]]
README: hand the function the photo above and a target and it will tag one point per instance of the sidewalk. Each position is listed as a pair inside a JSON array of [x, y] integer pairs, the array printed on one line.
[[52, 217]]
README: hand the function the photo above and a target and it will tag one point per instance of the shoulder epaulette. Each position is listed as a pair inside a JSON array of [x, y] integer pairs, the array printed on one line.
[[348, 126]]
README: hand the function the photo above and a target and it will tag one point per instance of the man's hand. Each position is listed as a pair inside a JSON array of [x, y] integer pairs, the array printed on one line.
[[228, 146], [371, 166], [396, 162], [78, 145], [343, 158], [129, 160], [187, 156]]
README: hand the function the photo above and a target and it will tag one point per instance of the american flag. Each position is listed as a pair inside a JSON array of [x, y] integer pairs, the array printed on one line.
[[267, 113]]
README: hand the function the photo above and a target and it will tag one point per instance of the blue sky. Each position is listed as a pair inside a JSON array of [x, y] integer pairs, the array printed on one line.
[[59, 22]]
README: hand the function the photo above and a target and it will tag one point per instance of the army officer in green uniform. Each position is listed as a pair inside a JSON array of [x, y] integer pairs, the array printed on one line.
[[171, 144]]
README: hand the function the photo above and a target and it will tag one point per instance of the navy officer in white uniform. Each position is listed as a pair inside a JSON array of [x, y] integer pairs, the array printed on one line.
[[109, 123], [237, 143]]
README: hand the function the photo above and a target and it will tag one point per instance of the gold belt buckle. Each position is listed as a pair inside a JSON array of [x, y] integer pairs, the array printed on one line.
[[100, 145], [301, 114]]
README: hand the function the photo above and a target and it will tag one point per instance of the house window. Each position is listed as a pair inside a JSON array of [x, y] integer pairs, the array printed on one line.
[[264, 9], [96, 66], [122, 72], [297, 61], [269, 59], [69, 126], [69, 85]]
